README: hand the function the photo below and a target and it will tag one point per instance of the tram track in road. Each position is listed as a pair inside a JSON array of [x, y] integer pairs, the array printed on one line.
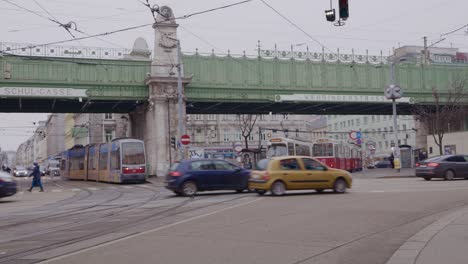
[[76, 198], [152, 217]]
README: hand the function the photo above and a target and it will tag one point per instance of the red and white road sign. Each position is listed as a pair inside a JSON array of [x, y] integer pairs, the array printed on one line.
[[185, 139]]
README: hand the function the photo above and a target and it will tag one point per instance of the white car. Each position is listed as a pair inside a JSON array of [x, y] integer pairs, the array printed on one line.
[[20, 172]]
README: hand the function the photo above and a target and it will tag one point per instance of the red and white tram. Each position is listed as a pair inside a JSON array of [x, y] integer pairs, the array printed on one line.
[[337, 155]]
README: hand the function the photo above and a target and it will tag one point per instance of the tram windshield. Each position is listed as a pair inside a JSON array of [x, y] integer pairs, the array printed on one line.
[[133, 153], [323, 150], [277, 150]]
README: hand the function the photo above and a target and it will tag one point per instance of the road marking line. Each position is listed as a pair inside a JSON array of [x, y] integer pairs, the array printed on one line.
[[76, 190], [127, 187], [377, 191], [92, 188], [56, 190], [149, 231]]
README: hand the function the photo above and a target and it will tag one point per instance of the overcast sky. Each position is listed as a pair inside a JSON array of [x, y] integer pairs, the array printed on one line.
[[373, 24]]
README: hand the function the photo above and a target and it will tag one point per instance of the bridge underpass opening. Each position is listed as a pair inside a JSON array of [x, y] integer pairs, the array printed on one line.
[[61, 105]]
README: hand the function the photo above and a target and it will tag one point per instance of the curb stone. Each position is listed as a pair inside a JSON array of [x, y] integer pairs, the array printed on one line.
[[409, 252]]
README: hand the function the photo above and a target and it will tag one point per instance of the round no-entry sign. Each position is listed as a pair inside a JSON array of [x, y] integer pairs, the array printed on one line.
[[185, 139]]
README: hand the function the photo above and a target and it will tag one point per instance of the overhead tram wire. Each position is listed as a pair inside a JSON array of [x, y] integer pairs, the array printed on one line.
[[297, 27], [67, 26], [213, 9], [111, 32]]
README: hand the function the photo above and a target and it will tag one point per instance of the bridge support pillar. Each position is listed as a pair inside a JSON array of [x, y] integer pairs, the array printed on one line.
[[157, 121]]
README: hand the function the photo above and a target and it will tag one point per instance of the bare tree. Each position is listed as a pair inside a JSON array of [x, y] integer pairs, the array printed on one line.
[[445, 113], [246, 124]]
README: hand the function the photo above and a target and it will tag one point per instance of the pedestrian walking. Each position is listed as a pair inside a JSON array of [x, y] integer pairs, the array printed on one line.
[[392, 160], [36, 174]]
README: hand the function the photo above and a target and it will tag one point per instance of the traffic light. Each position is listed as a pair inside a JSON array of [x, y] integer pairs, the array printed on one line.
[[330, 15], [344, 9], [173, 142]]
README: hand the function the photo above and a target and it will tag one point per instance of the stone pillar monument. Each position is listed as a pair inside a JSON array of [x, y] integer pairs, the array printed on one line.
[[157, 121]]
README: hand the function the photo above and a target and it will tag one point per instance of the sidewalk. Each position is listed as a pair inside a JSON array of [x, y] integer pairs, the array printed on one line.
[[383, 173], [444, 241]]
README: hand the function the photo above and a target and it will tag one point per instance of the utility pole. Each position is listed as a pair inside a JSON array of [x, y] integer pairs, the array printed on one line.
[[425, 51]]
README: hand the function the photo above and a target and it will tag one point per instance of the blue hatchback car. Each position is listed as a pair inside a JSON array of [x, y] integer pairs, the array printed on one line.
[[191, 176]]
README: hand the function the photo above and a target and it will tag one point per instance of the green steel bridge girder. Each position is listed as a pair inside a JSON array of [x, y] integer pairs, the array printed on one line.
[[229, 79]]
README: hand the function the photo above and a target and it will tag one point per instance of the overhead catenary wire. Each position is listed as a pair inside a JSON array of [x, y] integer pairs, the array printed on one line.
[[297, 27], [213, 9]]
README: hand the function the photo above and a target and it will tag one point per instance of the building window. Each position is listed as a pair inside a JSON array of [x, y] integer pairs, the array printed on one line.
[[404, 127], [226, 135], [109, 135], [358, 122], [373, 119], [108, 116], [378, 118], [366, 120], [386, 144], [380, 145]]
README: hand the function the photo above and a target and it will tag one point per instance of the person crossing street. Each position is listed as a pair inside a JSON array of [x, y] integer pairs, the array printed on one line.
[[36, 174]]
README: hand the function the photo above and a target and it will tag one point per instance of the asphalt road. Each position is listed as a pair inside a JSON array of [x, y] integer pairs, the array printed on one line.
[[87, 222]]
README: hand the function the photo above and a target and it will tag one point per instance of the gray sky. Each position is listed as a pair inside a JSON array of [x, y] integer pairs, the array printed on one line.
[[373, 24]]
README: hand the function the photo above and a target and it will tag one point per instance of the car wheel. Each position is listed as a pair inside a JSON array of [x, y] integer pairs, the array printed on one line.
[[177, 193], [449, 175], [260, 192], [240, 190], [339, 186], [189, 188], [427, 178], [319, 190], [278, 188]]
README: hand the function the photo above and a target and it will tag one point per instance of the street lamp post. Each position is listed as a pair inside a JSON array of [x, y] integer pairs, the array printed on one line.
[[180, 97], [394, 92]]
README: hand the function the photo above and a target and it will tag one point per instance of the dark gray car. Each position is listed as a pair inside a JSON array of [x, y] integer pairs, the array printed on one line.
[[447, 167]]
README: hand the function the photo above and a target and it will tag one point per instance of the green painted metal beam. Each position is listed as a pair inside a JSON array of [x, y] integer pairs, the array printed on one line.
[[227, 79]]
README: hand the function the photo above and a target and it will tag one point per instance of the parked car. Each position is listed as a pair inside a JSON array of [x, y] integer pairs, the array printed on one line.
[[448, 167], [7, 185], [280, 174], [20, 172], [191, 176], [42, 169], [383, 164]]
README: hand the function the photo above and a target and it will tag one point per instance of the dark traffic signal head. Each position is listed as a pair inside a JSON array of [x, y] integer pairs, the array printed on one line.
[[344, 9], [330, 15], [173, 142]]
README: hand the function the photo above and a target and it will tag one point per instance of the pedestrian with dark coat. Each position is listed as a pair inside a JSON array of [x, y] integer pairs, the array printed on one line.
[[36, 174], [392, 159]]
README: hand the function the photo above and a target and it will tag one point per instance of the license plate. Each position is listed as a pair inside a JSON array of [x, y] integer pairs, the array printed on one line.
[[422, 166]]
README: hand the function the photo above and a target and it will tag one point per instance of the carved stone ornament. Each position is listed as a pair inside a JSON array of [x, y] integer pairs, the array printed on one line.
[[163, 90], [168, 40]]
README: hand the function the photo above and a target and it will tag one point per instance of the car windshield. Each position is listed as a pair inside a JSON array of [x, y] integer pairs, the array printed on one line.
[[174, 166], [20, 168], [262, 164], [277, 150]]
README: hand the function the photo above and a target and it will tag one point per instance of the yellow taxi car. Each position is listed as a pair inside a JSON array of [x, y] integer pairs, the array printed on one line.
[[279, 174]]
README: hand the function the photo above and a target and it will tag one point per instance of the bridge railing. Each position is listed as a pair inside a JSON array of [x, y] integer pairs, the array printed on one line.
[[22, 49], [303, 55], [324, 56]]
